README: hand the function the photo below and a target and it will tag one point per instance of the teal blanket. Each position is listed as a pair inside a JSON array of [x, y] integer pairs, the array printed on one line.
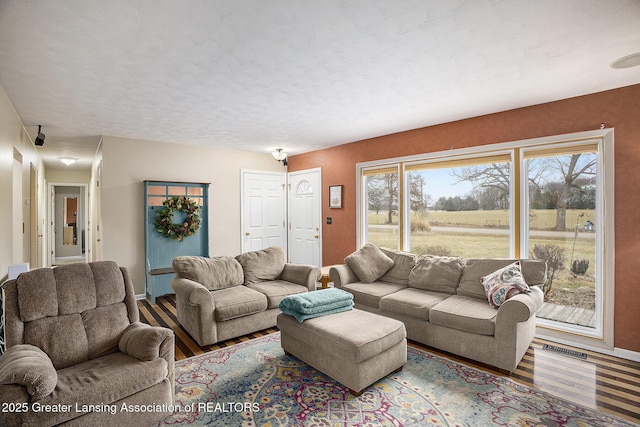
[[314, 304]]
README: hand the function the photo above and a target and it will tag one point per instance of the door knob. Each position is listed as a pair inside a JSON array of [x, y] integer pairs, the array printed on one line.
[[316, 236], [247, 234]]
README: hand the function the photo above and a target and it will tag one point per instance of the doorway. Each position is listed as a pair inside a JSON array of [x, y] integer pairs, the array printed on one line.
[[305, 216], [263, 210], [69, 223]]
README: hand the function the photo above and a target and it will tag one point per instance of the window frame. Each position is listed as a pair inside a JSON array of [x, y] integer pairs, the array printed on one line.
[[604, 138]]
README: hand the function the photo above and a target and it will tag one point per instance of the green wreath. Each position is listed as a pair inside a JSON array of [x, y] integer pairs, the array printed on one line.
[[164, 218]]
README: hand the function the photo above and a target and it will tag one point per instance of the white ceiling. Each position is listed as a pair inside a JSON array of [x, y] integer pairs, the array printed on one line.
[[297, 74]]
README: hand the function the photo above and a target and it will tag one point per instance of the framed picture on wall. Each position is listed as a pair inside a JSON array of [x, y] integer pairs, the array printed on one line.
[[335, 196]]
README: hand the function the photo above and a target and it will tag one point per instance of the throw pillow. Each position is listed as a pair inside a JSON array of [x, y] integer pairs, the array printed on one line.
[[504, 283], [369, 263], [403, 262], [437, 274], [212, 273], [262, 265]]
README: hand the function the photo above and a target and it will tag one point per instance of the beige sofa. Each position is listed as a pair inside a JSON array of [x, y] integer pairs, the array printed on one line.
[[76, 352], [442, 302], [224, 297]]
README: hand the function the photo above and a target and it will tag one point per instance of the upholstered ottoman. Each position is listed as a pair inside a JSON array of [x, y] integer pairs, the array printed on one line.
[[355, 347]]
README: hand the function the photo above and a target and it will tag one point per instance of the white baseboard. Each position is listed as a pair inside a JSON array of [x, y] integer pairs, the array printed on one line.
[[616, 352], [140, 296], [626, 354]]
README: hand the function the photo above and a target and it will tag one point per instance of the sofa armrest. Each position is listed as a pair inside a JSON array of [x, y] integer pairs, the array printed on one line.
[[301, 274], [521, 307], [342, 275], [145, 342], [193, 292], [28, 366]]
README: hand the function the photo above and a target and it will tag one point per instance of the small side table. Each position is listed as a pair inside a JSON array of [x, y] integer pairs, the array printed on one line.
[[325, 279]]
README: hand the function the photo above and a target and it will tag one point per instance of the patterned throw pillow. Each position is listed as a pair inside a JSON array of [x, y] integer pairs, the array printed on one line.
[[504, 283]]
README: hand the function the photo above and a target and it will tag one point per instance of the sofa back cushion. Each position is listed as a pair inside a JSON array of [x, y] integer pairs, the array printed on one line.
[[262, 265], [437, 274], [403, 263], [64, 310], [369, 263], [212, 273], [534, 272]]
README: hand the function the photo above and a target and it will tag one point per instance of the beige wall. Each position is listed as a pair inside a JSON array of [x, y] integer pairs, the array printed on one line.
[[14, 243], [75, 176], [127, 163]]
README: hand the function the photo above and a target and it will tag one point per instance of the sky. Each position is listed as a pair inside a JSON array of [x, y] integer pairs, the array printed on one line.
[[440, 183]]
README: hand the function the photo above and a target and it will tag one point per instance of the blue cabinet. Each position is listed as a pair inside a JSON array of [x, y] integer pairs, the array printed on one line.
[[161, 250]]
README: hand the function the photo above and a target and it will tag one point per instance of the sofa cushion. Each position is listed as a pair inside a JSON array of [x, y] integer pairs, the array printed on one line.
[[37, 294], [504, 283], [276, 290], [369, 263], [76, 288], [369, 294], [465, 314], [534, 272], [437, 274], [99, 381], [103, 340], [66, 349], [238, 301], [403, 263], [110, 284], [411, 302], [262, 265], [212, 273]]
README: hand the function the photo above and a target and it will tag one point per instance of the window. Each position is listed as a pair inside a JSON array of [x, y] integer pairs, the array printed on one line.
[[548, 198], [563, 227], [382, 207], [460, 207]]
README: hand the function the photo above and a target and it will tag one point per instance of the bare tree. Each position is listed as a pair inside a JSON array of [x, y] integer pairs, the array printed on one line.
[[567, 171], [494, 175], [382, 193], [571, 171]]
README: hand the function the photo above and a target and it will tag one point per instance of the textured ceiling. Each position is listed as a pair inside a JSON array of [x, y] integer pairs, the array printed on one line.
[[298, 74]]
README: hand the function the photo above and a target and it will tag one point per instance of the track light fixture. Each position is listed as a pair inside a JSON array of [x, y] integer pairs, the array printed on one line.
[[39, 141], [280, 156]]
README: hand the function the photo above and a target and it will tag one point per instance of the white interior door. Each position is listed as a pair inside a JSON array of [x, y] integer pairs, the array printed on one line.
[[305, 217], [263, 210]]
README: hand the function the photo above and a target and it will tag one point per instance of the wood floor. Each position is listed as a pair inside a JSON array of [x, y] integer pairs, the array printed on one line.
[[608, 384]]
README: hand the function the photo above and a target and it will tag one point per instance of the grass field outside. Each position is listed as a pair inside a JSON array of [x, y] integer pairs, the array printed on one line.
[[539, 219], [468, 235]]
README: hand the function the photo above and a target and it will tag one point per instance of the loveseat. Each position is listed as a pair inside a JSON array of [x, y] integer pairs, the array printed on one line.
[[77, 354], [443, 303], [224, 297]]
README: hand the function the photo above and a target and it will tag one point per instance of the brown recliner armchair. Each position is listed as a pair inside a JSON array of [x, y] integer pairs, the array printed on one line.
[[77, 353]]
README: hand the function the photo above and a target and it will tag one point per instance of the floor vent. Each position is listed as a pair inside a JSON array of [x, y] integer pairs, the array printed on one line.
[[565, 351]]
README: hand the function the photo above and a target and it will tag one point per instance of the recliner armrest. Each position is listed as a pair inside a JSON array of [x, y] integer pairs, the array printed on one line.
[[28, 366], [144, 342], [301, 274], [342, 275]]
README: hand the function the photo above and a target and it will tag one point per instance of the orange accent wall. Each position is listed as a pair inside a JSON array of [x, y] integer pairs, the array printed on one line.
[[617, 108]]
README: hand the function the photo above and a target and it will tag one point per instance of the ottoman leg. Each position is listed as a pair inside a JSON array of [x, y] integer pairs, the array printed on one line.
[[356, 393]]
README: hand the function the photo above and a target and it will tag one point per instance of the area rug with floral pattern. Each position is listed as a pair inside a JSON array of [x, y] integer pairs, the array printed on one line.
[[255, 384]]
